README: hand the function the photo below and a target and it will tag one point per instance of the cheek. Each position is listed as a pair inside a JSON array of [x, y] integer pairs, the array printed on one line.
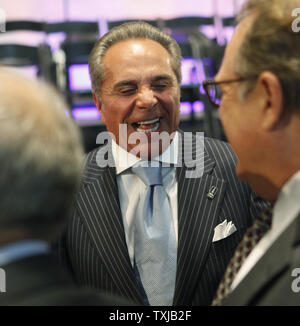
[[115, 111], [175, 116], [172, 103], [110, 118], [232, 127]]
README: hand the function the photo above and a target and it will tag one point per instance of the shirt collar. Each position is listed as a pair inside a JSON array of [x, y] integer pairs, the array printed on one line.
[[125, 160], [287, 206]]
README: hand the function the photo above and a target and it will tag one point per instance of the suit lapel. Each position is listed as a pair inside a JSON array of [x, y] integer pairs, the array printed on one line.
[[196, 217], [100, 209]]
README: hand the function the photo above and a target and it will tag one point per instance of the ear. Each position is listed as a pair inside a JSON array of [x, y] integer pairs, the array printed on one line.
[[98, 104], [97, 101], [273, 100]]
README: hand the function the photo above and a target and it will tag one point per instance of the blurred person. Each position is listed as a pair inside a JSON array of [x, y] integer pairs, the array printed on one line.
[[40, 159], [151, 234], [258, 86]]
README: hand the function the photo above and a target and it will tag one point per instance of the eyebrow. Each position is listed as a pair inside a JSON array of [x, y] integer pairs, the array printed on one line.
[[124, 83], [162, 77], [129, 82]]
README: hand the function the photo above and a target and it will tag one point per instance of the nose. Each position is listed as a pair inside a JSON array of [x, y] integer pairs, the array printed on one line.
[[146, 98]]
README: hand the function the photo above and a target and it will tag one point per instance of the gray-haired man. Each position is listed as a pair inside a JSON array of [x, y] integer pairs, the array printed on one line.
[[135, 72]]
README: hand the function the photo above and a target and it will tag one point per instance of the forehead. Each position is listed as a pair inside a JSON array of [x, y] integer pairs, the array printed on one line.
[[134, 57]]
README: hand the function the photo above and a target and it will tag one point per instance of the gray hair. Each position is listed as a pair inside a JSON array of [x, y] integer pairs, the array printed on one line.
[[132, 30], [271, 45], [40, 157]]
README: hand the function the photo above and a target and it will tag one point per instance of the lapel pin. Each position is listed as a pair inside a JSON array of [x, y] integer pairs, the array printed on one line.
[[212, 192]]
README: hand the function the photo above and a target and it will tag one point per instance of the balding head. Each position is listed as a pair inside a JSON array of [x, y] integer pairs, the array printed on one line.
[[40, 156]]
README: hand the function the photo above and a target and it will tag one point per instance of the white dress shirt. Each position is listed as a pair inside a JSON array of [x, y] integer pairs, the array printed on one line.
[[130, 187], [286, 209]]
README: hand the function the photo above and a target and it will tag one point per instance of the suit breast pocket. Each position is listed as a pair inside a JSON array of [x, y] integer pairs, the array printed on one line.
[[227, 246]]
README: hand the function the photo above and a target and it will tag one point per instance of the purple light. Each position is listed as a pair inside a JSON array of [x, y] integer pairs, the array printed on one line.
[[185, 108], [79, 77], [187, 66], [92, 113], [86, 113], [192, 71], [80, 80], [198, 106], [202, 90]]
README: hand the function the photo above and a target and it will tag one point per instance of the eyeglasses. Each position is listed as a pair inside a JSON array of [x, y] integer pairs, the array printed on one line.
[[214, 92]]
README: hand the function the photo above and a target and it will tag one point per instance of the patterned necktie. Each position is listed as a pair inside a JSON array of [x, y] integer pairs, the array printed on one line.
[[253, 235], [155, 247]]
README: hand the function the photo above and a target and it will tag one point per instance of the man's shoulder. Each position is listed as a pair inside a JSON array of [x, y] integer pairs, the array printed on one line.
[[91, 169], [212, 145], [91, 158], [221, 152], [214, 151]]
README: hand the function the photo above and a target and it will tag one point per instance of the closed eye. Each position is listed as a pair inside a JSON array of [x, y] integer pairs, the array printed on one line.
[[127, 91], [159, 87]]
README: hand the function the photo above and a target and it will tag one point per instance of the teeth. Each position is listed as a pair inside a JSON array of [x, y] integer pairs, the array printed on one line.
[[148, 122], [149, 130]]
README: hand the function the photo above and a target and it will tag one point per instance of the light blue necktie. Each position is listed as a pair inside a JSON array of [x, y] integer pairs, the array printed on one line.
[[155, 246]]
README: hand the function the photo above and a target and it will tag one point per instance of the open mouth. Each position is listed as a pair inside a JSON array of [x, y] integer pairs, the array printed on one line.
[[147, 126]]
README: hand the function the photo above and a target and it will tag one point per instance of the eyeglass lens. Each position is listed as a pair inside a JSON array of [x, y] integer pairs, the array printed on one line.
[[215, 93]]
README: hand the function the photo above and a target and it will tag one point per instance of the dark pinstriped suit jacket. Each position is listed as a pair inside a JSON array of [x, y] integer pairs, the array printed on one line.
[[95, 245]]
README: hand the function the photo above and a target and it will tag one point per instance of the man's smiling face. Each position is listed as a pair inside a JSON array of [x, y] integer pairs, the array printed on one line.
[[139, 90]]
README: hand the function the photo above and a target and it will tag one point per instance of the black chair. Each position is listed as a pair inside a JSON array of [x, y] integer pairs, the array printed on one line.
[[77, 52], [191, 93], [182, 27], [228, 22], [186, 30], [24, 25], [194, 44], [71, 27], [25, 55], [79, 39], [18, 55], [188, 22], [114, 23]]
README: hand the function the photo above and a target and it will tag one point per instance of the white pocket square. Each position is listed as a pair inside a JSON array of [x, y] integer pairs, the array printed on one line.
[[223, 230]]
